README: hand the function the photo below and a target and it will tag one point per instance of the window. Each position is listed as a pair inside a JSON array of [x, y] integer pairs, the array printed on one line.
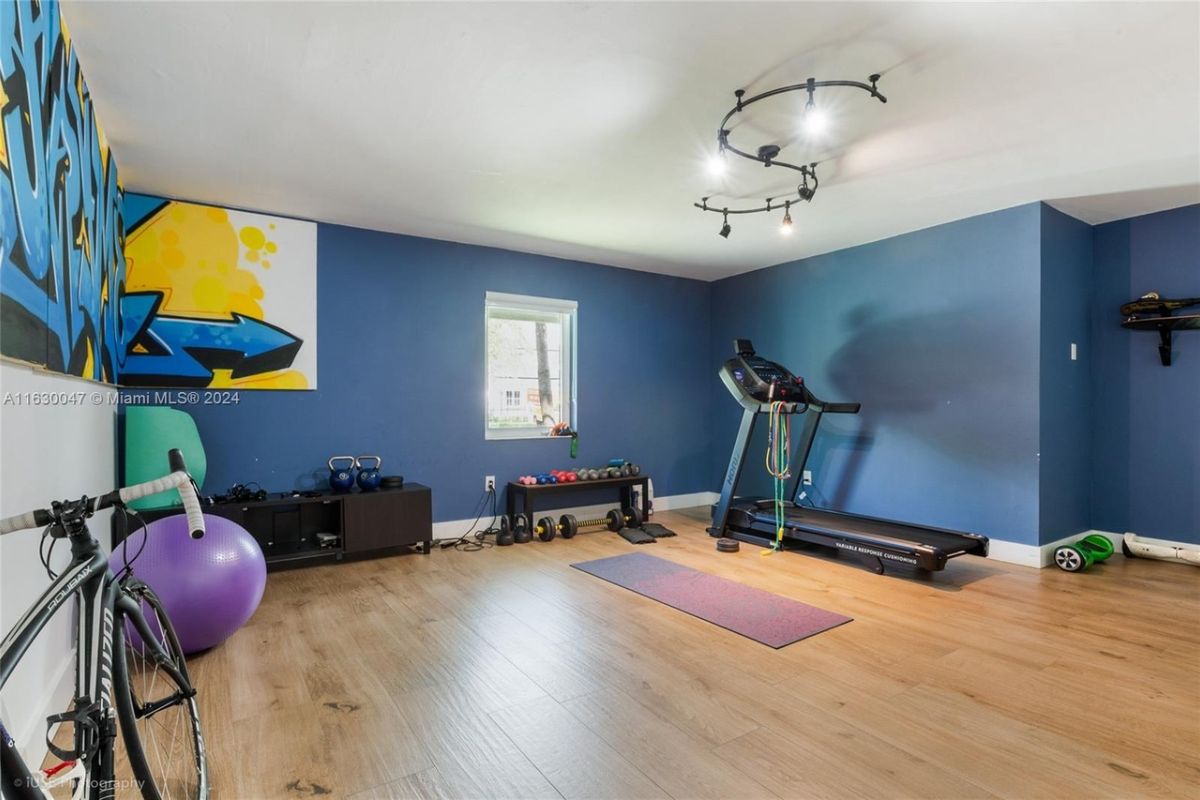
[[530, 365]]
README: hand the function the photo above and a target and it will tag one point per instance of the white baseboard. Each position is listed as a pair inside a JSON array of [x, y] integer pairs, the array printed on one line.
[[452, 529], [693, 500], [31, 740], [1032, 555], [1027, 555]]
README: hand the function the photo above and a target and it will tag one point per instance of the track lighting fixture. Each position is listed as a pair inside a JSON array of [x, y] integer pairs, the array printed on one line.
[[786, 226], [814, 120], [805, 191]]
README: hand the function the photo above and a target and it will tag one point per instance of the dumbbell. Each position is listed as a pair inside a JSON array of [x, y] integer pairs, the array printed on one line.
[[614, 520], [546, 528]]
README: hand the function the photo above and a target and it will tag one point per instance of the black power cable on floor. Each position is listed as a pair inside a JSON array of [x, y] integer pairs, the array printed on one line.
[[465, 542]]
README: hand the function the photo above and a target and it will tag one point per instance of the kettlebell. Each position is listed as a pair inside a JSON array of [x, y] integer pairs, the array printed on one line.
[[520, 529], [341, 479], [368, 477], [504, 536]]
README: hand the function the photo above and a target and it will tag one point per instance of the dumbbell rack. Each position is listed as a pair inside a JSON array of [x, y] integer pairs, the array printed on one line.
[[539, 495]]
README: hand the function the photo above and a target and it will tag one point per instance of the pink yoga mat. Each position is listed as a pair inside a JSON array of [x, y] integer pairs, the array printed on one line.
[[764, 617]]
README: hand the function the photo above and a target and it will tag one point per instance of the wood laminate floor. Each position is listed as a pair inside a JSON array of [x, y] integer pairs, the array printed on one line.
[[507, 674]]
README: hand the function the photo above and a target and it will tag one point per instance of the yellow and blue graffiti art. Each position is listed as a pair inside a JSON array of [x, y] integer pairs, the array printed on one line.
[[218, 298], [61, 248]]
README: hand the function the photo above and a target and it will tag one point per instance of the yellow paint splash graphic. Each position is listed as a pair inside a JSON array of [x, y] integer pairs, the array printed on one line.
[[90, 363], [190, 253], [257, 245], [194, 256], [3, 138], [281, 379]]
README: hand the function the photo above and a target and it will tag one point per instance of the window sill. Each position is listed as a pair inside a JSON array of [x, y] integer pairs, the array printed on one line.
[[521, 436]]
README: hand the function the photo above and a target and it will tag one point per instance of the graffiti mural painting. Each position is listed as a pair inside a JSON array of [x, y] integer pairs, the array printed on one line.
[[61, 247], [194, 296], [219, 298]]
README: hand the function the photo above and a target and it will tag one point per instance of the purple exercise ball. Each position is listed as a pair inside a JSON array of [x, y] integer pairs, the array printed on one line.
[[210, 587]]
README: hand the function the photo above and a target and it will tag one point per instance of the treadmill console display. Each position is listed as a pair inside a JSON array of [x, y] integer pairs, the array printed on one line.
[[756, 378]]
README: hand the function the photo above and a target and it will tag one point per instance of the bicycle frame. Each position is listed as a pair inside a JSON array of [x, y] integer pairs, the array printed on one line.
[[90, 580]]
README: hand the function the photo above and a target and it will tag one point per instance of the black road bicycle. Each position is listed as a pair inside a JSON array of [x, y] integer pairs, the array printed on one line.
[[141, 680]]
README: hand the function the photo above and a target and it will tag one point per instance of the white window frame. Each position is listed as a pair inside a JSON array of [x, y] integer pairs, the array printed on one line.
[[568, 370]]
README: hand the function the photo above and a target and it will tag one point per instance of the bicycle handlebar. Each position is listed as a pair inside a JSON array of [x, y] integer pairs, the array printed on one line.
[[178, 479]]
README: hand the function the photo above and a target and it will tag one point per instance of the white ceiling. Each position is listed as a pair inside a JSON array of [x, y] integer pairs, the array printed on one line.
[[581, 130]]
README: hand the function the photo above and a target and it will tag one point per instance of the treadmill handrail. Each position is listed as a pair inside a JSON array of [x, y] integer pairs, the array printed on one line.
[[744, 349]]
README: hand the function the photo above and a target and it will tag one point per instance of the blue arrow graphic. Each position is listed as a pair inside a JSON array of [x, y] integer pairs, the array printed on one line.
[[184, 351]]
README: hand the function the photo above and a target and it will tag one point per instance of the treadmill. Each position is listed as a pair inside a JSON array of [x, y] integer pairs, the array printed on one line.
[[755, 383]]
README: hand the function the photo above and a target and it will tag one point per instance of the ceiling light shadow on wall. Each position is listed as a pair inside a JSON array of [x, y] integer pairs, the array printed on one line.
[[942, 376], [1097, 209]]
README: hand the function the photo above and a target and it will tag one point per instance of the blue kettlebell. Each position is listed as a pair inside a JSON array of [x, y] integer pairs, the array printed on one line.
[[341, 479], [368, 477]]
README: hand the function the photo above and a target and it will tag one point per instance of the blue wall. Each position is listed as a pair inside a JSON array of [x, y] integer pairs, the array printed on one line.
[[1111, 348], [1146, 475], [401, 359], [955, 339], [936, 333], [1065, 389]]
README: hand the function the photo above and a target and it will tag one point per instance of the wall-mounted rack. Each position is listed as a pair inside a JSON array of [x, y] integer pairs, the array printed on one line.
[[1150, 312]]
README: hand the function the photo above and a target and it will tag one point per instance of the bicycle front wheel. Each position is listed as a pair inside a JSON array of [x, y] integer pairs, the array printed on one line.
[[156, 704]]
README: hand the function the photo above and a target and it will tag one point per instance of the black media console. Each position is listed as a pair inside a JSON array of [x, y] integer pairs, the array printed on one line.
[[355, 525]]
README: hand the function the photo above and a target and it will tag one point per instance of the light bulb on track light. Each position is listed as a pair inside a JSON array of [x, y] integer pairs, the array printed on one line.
[[816, 121], [786, 227], [716, 165]]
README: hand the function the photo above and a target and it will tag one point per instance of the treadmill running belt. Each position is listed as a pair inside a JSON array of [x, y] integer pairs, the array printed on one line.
[[878, 529]]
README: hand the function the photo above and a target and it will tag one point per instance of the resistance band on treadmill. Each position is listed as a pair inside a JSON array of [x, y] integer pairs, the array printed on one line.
[[779, 448]]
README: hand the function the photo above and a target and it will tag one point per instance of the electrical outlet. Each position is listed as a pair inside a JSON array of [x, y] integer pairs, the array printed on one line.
[[489, 483], [806, 477]]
